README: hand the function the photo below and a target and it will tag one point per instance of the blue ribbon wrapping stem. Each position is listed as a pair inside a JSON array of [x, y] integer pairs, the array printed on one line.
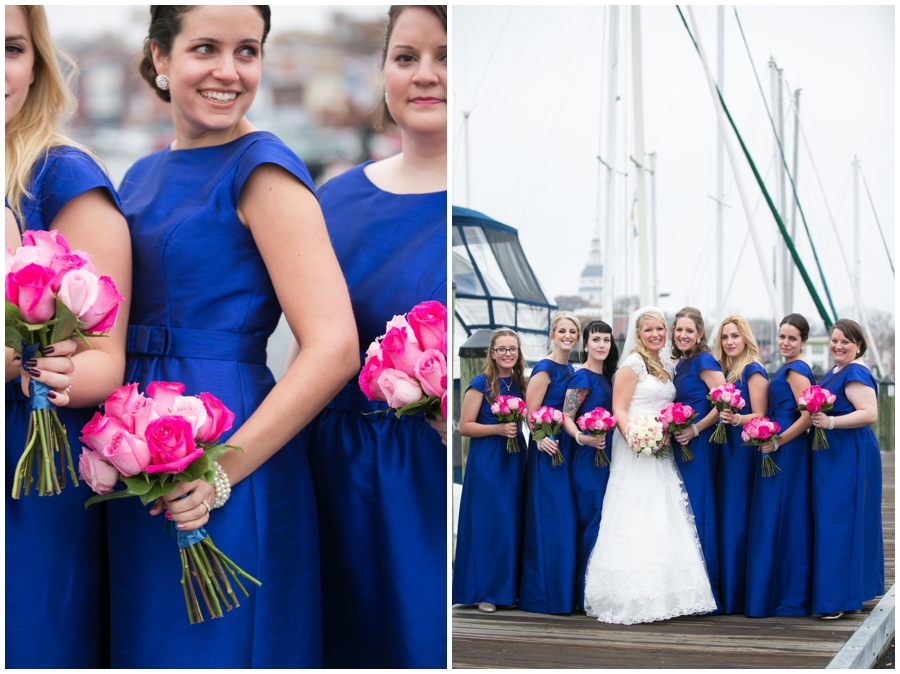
[[36, 390]]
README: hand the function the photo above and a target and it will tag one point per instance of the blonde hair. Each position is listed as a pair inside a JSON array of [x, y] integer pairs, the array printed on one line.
[[491, 370], [701, 345], [565, 315], [36, 128], [653, 365], [734, 367]]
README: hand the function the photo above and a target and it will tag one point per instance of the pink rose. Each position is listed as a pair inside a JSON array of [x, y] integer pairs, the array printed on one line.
[[24, 256], [368, 379], [430, 369], [763, 431], [170, 440], [495, 409], [400, 352], [556, 415], [514, 404], [429, 323], [830, 398], [101, 316], [119, 404], [67, 262], [99, 475], [398, 388], [400, 322], [745, 436], [99, 431], [127, 452], [444, 406], [78, 290], [679, 415], [716, 394], [504, 406], [165, 392], [52, 242], [31, 290], [218, 419], [374, 350], [192, 409]]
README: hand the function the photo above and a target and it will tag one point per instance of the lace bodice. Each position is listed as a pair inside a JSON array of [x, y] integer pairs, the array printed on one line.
[[650, 394]]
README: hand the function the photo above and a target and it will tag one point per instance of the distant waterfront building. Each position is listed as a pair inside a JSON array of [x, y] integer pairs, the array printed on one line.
[[591, 287]]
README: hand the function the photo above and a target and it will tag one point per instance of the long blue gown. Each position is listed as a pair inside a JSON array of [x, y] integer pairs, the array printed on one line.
[[548, 557], [489, 533], [734, 487], [846, 495], [57, 594], [699, 474], [381, 482], [202, 311], [588, 482], [779, 557]]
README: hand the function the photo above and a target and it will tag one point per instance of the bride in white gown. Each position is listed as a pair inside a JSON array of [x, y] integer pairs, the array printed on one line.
[[647, 563]]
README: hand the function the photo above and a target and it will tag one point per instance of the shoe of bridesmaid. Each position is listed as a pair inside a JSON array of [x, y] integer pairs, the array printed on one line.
[[832, 616], [486, 607]]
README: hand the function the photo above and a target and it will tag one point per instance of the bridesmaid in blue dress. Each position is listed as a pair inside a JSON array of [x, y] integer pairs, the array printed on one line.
[[779, 559], [548, 557], [489, 533], [381, 482], [589, 388], [225, 226], [738, 355], [56, 565], [847, 482], [696, 374]]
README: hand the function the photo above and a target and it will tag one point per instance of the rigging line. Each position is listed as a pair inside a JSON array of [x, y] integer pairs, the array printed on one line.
[[843, 194], [499, 77], [786, 169], [456, 140], [880, 231], [662, 125], [493, 51]]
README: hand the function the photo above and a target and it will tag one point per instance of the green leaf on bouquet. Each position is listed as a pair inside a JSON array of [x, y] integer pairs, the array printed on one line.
[[195, 470], [65, 325], [426, 403], [81, 335], [157, 489], [138, 484], [14, 338], [215, 451], [13, 314], [122, 493]]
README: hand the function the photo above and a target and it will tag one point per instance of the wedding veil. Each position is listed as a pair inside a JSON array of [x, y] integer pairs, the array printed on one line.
[[630, 341]]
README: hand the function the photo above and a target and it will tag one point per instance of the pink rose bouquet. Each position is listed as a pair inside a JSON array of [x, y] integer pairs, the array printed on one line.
[[509, 409], [817, 399], [758, 432], [545, 422], [725, 397], [675, 418], [644, 435], [597, 422], [151, 444], [52, 293], [407, 366]]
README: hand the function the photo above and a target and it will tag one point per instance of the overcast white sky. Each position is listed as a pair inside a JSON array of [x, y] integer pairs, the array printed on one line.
[[533, 78]]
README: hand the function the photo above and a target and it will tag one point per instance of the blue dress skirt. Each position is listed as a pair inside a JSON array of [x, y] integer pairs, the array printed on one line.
[[846, 495], [548, 557], [381, 482], [203, 309], [57, 579], [780, 542], [489, 533], [734, 487], [699, 474], [588, 481]]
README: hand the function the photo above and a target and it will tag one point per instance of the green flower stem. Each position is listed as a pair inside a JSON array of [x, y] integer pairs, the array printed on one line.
[[201, 586], [185, 579], [46, 477], [65, 443], [238, 569], [195, 614], [23, 466], [212, 583], [209, 594], [686, 453], [223, 577]]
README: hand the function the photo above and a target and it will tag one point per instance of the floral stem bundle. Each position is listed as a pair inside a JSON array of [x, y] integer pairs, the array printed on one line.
[[151, 444], [675, 418], [52, 294], [725, 397], [509, 409], [545, 422], [597, 422], [759, 431], [812, 400]]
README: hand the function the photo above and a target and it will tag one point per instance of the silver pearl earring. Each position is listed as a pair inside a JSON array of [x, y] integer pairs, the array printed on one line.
[[162, 82], [385, 98]]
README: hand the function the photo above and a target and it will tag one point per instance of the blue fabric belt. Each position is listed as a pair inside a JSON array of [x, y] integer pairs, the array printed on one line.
[[201, 344]]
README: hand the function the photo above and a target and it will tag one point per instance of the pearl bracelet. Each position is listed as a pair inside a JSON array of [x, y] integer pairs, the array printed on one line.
[[696, 432], [739, 418], [578, 439], [222, 486], [831, 424]]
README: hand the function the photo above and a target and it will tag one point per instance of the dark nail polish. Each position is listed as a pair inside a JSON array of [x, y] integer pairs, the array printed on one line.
[[31, 362], [34, 373], [47, 351], [51, 395], [168, 515]]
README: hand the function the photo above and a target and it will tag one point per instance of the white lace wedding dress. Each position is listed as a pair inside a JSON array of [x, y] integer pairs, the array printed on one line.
[[647, 563]]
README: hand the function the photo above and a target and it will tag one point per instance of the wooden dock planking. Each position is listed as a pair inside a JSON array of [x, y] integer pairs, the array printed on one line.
[[517, 639]]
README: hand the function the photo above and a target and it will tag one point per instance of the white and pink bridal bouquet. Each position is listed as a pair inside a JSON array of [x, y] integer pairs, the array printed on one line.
[[675, 418], [545, 422], [509, 409], [725, 397], [759, 431], [151, 444], [597, 422], [817, 399], [52, 294], [407, 366], [644, 435]]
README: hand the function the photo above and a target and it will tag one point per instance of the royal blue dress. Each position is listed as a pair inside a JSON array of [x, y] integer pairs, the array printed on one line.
[[548, 557], [588, 481], [846, 495], [734, 487], [779, 556], [699, 474], [57, 594], [203, 308], [381, 482], [489, 533]]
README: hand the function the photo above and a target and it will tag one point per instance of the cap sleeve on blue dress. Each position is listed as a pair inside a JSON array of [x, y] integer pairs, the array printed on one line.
[[479, 383], [754, 368], [705, 361], [267, 149], [542, 366], [68, 173], [802, 367], [861, 374], [579, 380]]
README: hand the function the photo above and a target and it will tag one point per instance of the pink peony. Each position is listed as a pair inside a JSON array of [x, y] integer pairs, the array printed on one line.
[[99, 475], [127, 452], [30, 289], [400, 352], [171, 443], [165, 392], [429, 322], [399, 389], [101, 315], [430, 370], [218, 419]]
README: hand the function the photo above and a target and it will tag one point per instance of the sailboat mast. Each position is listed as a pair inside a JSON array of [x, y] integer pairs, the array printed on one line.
[[720, 174], [611, 95], [637, 76]]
